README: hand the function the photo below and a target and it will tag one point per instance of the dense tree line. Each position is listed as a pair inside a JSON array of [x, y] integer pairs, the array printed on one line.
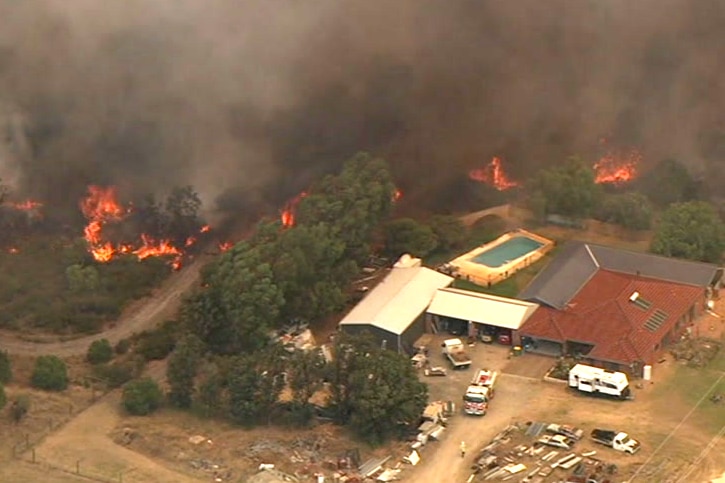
[[227, 365], [298, 272]]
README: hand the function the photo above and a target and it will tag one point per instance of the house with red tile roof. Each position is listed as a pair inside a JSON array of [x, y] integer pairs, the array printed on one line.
[[615, 308]]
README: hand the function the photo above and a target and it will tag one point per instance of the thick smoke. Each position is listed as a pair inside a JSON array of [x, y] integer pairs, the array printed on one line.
[[262, 97]]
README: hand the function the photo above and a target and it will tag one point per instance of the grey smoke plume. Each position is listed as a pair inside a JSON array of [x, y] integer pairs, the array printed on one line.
[[266, 95]]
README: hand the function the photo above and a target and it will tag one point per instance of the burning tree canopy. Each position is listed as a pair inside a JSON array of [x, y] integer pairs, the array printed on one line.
[[493, 175], [618, 166]]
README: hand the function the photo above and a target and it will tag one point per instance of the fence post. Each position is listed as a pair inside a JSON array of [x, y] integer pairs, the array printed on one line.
[[33, 455], [78, 467]]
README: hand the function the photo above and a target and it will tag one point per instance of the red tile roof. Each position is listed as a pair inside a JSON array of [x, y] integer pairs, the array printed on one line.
[[602, 314]]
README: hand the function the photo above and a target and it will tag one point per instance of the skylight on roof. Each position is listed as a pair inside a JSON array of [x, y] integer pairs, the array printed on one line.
[[656, 320], [637, 300]]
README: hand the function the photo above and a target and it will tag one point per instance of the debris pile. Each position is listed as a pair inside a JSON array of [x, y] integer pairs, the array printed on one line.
[[536, 452], [696, 352], [296, 336]]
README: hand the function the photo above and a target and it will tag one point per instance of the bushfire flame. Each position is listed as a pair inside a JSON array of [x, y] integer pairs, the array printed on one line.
[[101, 207], [397, 194], [288, 212], [224, 246], [617, 167], [494, 175]]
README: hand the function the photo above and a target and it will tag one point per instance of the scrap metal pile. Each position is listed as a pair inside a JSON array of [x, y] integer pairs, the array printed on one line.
[[538, 453], [388, 468]]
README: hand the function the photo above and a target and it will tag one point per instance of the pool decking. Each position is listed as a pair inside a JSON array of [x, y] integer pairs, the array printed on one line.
[[464, 267]]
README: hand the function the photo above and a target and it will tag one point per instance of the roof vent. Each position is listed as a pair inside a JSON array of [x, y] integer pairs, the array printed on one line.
[[634, 297]]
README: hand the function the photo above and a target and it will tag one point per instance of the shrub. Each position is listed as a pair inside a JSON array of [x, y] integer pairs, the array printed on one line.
[[50, 373], [6, 373], [3, 398], [157, 344], [142, 397], [20, 407], [122, 346], [115, 375], [99, 352]]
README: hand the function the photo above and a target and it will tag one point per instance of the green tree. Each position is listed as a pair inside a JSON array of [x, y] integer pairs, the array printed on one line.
[[99, 352], [3, 398], [209, 398], [669, 182], [568, 189], [630, 210], [352, 203], [181, 370], [311, 269], [271, 380], [691, 230], [375, 391], [449, 231], [6, 368], [305, 376], [142, 397], [239, 306], [243, 387], [82, 278], [50, 373], [391, 401], [406, 235]]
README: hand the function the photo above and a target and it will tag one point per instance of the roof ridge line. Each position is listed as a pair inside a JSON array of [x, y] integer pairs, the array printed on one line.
[[591, 255]]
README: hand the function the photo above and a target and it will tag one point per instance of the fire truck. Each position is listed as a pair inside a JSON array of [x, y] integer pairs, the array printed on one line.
[[598, 381], [480, 392]]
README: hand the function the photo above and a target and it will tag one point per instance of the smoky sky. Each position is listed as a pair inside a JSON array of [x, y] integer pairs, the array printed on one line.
[[266, 96]]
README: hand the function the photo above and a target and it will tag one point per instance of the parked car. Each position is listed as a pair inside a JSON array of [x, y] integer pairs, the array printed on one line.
[[557, 441]]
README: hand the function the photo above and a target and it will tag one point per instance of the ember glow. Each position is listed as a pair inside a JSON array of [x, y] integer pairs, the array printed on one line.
[[100, 208], [28, 205], [397, 194], [494, 175], [288, 212], [617, 166], [224, 246]]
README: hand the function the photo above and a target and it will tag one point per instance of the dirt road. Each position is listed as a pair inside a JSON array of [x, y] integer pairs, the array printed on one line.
[[143, 314]]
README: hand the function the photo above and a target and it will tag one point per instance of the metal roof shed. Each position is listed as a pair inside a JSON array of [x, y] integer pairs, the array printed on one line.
[[393, 311], [481, 308]]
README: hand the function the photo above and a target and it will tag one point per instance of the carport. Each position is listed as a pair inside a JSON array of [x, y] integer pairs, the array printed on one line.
[[482, 313]]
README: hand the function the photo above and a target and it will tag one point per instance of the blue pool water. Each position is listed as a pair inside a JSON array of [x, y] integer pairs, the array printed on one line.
[[507, 251]]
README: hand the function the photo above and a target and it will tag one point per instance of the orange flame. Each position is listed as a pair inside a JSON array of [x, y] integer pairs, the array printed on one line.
[[100, 208], [617, 167], [288, 212], [13, 250], [494, 175], [397, 194], [204, 229], [224, 246]]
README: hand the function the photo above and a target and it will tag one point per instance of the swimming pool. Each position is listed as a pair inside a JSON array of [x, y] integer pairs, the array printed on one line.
[[507, 251]]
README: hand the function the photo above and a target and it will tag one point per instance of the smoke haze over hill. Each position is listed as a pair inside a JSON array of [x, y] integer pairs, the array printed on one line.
[[223, 94]]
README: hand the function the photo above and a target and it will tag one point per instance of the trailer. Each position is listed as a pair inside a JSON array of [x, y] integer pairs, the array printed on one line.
[[455, 351], [598, 381]]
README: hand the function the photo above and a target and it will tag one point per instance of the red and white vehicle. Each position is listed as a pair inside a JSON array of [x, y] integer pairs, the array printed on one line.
[[480, 392]]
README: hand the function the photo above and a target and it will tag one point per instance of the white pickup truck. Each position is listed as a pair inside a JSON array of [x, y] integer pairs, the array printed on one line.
[[616, 439], [455, 351]]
